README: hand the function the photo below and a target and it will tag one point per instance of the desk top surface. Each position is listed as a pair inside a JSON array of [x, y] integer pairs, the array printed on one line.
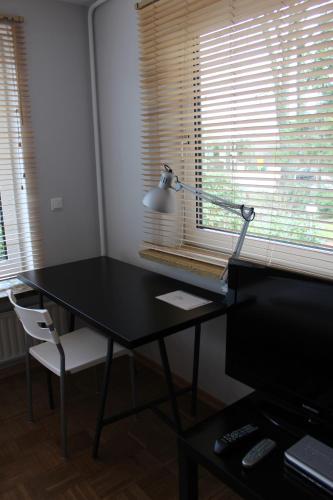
[[120, 299]]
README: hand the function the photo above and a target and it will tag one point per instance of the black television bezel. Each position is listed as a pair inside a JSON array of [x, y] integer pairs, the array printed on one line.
[[280, 396]]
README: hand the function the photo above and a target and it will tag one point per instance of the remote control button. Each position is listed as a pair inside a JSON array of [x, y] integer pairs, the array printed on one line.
[[230, 439]]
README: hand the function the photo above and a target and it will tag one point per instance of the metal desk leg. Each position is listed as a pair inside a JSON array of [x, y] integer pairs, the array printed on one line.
[[188, 476], [171, 389], [104, 395], [196, 355]]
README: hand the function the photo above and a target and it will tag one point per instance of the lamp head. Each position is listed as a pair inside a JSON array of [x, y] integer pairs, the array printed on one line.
[[162, 198]]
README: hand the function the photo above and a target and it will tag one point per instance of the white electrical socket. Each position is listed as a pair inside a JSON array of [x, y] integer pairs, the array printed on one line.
[[56, 204]]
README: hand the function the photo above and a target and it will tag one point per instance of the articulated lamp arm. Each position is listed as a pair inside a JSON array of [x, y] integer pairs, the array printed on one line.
[[247, 213], [170, 181], [240, 210]]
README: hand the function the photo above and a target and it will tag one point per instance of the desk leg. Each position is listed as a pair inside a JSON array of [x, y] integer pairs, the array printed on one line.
[[195, 375], [104, 395], [188, 476], [171, 389]]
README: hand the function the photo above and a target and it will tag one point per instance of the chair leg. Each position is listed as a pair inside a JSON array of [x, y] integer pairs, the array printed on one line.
[[71, 325], [132, 374], [29, 387], [97, 382], [50, 389], [63, 416], [28, 378], [103, 397]]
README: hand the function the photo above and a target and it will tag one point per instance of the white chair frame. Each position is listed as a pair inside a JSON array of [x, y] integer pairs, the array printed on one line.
[[37, 323]]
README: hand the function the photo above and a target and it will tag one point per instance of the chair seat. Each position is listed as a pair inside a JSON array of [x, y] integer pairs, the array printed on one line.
[[83, 348]]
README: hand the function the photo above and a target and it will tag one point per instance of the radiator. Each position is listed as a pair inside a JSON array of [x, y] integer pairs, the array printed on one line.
[[12, 344]]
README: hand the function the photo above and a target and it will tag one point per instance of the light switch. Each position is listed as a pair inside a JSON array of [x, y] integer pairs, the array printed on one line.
[[56, 204]]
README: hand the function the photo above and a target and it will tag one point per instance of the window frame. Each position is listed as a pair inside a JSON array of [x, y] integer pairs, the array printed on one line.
[[299, 255], [178, 138]]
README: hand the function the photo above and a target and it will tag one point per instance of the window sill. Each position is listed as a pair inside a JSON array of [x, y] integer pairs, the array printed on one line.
[[187, 263], [14, 284], [23, 292]]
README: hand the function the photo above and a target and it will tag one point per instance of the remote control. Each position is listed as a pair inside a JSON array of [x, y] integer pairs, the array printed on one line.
[[258, 452], [227, 441]]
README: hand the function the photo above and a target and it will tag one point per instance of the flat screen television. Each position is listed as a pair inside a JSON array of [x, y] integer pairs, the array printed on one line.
[[280, 336]]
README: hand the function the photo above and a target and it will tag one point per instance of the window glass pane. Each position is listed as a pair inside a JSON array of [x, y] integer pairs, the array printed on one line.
[[267, 131]]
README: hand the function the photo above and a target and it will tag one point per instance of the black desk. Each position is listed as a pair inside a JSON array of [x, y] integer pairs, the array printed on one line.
[[120, 300], [269, 479]]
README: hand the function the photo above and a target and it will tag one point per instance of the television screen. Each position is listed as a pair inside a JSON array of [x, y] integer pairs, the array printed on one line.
[[280, 335]]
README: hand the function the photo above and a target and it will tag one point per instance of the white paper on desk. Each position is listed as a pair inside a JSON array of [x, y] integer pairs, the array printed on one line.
[[183, 300]]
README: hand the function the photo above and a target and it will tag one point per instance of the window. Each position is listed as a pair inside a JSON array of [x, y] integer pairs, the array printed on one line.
[[238, 99], [19, 229]]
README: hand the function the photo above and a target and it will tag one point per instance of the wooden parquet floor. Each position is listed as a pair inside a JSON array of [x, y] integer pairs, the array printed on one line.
[[137, 456]]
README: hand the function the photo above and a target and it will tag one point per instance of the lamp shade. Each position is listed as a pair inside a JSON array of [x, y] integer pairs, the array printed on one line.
[[161, 200]]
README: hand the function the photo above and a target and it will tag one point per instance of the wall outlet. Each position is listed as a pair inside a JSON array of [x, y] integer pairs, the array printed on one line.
[[56, 204]]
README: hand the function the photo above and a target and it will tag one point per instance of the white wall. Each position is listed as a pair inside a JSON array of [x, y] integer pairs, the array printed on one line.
[[119, 92], [57, 53]]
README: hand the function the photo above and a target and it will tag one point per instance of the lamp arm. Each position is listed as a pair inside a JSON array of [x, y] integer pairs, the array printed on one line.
[[236, 252], [247, 213], [241, 210], [169, 180]]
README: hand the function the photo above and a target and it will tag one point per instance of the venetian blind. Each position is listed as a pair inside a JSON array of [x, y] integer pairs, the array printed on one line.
[[237, 98], [19, 229]]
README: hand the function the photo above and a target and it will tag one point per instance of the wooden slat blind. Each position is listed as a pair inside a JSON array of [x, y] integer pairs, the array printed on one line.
[[20, 239], [237, 98]]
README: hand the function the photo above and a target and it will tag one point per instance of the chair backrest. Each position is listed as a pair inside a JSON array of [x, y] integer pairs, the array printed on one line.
[[36, 322]]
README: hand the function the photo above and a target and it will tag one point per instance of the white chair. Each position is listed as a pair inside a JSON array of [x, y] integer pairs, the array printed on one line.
[[69, 353]]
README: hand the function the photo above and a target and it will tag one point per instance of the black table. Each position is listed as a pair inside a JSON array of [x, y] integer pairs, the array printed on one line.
[[120, 300], [269, 479]]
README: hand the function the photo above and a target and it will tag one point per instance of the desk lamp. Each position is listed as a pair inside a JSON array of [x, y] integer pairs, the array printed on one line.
[[163, 199]]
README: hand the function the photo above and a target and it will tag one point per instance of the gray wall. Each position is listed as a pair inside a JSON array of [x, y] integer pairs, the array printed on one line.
[[119, 93], [57, 53]]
